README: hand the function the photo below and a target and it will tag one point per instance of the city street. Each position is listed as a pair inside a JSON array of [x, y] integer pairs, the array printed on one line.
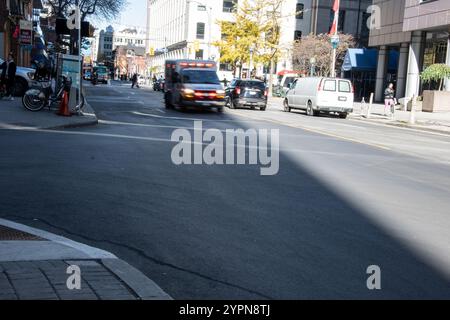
[[348, 195]]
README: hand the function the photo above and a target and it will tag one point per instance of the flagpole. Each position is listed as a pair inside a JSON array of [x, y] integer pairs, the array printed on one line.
[[333, 65]]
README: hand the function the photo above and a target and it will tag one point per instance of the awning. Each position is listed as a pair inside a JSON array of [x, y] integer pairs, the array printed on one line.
[[367, 60]]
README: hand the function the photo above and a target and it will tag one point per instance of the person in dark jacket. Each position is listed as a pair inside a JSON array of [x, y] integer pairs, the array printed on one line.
[[8, 76], [134, 81]]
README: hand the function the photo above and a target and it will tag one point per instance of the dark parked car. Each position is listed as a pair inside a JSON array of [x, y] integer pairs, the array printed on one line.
[[243, 93]]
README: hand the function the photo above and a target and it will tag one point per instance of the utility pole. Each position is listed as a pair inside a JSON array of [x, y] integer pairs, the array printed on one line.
[[335, 37]]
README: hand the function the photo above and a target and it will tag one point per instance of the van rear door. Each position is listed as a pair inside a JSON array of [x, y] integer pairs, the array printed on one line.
[[335, 94], [345, 95]]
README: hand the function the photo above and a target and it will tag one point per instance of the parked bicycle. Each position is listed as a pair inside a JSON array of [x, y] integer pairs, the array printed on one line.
[[43, 96]]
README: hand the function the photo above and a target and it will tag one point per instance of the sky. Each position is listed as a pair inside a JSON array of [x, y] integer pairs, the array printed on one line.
[[135, 15]]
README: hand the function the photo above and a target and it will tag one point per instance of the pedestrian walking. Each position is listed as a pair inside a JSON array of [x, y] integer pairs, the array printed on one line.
[[134, 81], [225, 82], [8, 76], [389, 100]]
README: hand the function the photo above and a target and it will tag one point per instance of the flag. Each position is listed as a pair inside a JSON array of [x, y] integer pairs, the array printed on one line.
[[334, 26]]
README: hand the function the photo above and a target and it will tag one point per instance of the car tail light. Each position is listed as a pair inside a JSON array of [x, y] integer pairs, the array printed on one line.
[[353, 88], [266, 93], [237, 90]]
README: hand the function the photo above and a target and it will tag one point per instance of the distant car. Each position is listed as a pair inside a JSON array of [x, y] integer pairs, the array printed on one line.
[[24, 79], [87, 75], [141, 80], [321, 95], [243, 93], [102, 74]]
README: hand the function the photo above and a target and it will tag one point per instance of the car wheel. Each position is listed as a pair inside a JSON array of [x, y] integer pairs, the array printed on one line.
[[263, 108], [343, 115], [220, 109], [20, 87], [286, 106]]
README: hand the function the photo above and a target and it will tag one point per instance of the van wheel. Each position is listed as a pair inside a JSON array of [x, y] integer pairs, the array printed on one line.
[[310, 111], [343, 115], [286, 106]]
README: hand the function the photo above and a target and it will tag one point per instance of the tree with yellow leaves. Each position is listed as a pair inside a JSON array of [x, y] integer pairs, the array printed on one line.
[[256, 27]]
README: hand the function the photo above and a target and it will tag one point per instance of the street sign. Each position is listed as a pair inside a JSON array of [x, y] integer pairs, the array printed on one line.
[[26, 32], [335, 41]]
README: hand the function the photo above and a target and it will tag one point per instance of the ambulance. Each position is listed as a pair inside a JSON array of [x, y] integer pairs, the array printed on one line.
[[193, 83]]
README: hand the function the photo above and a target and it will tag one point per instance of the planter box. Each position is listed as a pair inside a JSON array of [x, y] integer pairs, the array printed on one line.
[[436, 101], [419, 106]]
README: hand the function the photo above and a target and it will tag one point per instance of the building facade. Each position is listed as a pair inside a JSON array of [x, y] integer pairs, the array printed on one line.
[[175, 27], [419, 30], [105, 44], [304, 17], [15, 14], [185, 29]]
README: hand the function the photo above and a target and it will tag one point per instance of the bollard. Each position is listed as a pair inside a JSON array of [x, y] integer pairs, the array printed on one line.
[[369, 109], [363, 107], [412, 116]]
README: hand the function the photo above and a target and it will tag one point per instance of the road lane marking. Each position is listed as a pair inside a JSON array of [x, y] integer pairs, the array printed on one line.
[[325, 133], [188, 119]]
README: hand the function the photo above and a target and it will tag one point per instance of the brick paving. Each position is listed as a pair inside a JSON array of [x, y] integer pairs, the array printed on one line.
[[46, 280]]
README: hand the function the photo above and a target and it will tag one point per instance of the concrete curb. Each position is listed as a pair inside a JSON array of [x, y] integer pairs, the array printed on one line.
[[91, 252], [401, 125], [88, 110], [142, 286]]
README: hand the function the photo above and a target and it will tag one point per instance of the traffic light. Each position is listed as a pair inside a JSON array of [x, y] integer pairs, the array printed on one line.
[[196, 46], [152, 51]]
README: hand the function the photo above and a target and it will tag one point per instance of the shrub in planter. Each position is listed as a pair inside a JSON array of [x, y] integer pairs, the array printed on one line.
[[436, 100]]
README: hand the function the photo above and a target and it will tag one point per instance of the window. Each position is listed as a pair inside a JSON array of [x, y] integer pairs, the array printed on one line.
[[200, 30], [298, 35], [330, 85], [229, 5], [226, 67], [299, 11], [199, 55], [341, 19], [204, 77], [344, 86]]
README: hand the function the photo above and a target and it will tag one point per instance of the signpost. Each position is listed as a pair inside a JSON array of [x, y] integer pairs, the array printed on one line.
[[335, 43], [26, 32]]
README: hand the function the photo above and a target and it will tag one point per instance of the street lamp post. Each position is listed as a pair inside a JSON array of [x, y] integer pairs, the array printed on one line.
[[312, 62], [251, 62]]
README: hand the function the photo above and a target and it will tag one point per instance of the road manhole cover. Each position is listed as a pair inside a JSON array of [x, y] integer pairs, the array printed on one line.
[[8, 234]]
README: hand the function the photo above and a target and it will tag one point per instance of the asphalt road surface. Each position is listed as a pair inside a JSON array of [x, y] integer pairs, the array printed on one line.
[[348, 195]]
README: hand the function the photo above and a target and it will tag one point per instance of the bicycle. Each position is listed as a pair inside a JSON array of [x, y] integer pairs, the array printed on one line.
[[38, 98]]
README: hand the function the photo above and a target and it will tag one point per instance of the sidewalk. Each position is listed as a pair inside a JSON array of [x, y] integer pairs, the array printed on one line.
[[13, 114], [435, 122], [34, 266]]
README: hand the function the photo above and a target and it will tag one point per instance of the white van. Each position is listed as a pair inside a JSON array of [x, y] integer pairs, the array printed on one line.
[[316, 95]]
